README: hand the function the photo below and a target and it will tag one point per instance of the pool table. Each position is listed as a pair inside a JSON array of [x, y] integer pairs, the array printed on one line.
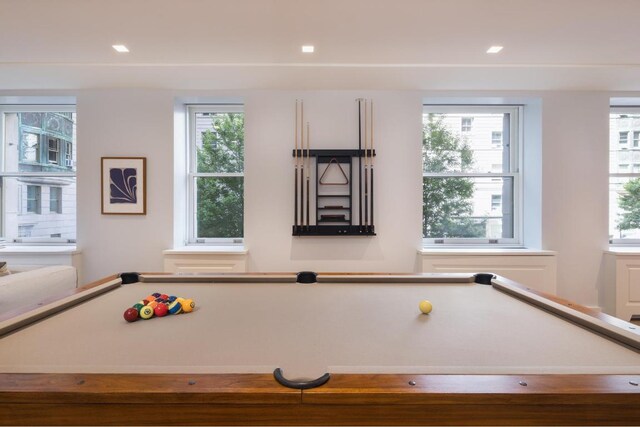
[[318, 349]]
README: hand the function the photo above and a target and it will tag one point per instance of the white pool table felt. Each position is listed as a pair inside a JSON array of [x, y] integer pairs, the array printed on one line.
[[311, 329]]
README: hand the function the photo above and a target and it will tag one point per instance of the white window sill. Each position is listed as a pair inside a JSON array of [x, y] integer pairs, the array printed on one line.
[[203, 250], [623, 250], [485, 251], [35, 249]]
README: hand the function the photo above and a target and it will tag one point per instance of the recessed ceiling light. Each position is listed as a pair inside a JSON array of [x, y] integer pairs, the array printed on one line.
[[120, 48], [308, 48], [494, 49]]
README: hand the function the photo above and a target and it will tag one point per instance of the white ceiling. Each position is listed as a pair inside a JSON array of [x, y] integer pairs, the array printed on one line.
[[427, 44]]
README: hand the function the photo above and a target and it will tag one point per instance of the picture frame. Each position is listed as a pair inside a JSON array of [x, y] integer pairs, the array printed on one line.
[[123, 185]]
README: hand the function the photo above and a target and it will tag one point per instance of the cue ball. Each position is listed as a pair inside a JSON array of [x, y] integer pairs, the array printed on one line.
[[425, 306]]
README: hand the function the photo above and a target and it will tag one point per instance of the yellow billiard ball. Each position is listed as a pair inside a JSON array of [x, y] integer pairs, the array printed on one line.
[[425, 306], [146, 312], [188, 305]]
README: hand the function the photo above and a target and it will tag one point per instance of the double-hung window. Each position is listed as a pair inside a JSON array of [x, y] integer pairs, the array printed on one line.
[[34, 199], [471, 175], [68, 155], [54, 150], [55, 200], [34, 141], [496, 139], [624, 176], [216, 173], [466, 124]]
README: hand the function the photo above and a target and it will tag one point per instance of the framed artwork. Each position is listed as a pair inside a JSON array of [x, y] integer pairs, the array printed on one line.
[[124, 184]]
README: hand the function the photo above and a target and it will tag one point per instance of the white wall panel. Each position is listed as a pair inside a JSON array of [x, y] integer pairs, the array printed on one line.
[[536, 271], [620, 293]]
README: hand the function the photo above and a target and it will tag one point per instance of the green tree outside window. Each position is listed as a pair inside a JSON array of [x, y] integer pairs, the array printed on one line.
[[220, 205], [447, 201], [629, 203]]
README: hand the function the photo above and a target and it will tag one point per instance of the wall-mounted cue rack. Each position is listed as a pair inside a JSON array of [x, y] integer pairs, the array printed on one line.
[[339, 209]]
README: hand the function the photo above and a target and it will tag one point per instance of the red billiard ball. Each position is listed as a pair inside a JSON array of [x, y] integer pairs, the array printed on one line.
[[131, 314], [161, 310]]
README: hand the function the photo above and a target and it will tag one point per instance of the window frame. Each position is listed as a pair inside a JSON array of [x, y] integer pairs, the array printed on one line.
[[624, 145], [56, 150], [25, 227], [499, 142], [516, 138], [37, 200], [53, 189], [30, 108], [193, 175], [68, 154], [496, 202], [466, 128], [22, 150], [629, 166]]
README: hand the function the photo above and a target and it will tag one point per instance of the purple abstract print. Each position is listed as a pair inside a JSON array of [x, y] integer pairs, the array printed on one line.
[[123, 185]]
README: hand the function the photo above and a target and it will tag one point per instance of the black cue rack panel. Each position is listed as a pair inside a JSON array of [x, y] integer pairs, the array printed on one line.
[[334, 215]]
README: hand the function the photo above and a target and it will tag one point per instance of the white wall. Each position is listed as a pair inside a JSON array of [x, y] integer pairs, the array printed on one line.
[[575, 134], [127, 123], [333, 119], [140, 122]]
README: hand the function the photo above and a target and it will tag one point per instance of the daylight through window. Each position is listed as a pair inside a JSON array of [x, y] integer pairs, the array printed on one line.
[[624, 176], [216, 174], [471, 182], [36, 140]]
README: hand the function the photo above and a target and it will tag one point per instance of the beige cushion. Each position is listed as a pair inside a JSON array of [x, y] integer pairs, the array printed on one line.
[[30, 287]]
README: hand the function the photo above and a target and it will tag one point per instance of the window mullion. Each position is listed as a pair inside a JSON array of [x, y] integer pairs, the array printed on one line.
[[469, 175], [218, 174]]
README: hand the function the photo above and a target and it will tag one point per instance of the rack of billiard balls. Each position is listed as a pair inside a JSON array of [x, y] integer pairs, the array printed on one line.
[[158, 305]]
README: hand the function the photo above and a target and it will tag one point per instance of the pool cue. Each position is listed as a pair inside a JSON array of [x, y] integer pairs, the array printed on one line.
[[366, 175], [371, 162], [302, 163], [360, 161], [308, 169], [295, 153]]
